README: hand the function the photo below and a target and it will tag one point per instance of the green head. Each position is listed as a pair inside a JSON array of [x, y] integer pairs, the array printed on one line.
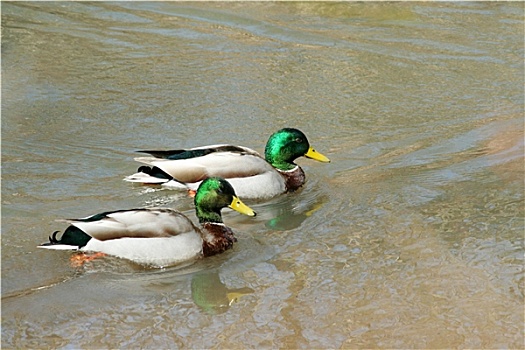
[[213, 194], [288, 144]]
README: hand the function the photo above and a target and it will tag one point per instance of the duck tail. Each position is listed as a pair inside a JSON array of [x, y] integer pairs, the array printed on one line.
[[149, 175], [155, 172], [72, 239], [155, 176]]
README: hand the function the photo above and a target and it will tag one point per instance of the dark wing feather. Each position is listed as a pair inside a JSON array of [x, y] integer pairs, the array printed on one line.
[[144, 223], [193, 153]]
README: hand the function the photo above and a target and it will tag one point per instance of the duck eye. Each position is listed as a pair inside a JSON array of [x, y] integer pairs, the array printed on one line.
[[298, 140]]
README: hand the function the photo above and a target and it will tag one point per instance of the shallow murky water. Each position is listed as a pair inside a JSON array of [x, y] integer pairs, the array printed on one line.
[[411, 238]]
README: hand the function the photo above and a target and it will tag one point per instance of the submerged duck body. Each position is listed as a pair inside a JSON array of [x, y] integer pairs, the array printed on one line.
[[251, 175], [157, 236]]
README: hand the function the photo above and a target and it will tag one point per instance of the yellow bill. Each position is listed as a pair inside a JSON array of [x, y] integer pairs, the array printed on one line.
[[242, 208], [313, 154], [236, 294]]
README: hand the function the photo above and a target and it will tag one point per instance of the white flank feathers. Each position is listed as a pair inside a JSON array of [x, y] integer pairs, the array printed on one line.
[[151, 251]]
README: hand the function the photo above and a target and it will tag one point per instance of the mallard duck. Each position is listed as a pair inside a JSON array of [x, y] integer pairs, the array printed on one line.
[[251, 175], [157, 236]]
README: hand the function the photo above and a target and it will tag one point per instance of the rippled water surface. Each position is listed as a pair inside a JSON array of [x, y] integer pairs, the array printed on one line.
[[412, 237]]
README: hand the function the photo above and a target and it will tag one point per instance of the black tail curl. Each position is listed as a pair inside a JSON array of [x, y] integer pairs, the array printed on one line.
[[72, 236], [53, 238]]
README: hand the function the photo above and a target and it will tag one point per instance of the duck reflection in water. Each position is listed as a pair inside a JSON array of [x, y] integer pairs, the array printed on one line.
[[211, 295], [291, 214]]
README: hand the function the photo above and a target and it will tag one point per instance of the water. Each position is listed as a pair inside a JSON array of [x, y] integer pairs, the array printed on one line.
[[411, 238]]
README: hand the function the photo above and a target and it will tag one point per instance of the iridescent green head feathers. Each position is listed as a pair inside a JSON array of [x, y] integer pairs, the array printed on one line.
[[288, 144], [213, 194]]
